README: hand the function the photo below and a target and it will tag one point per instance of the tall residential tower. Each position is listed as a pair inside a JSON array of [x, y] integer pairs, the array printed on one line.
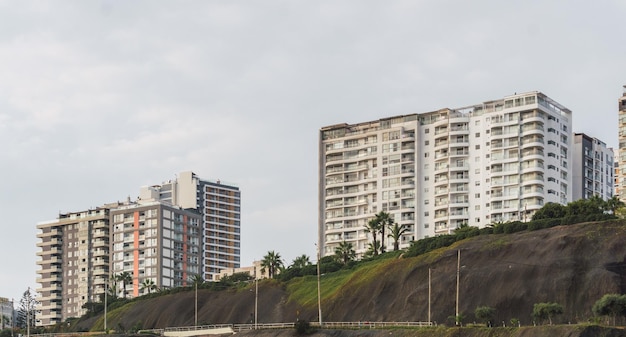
[[436, 171], [621, 178]]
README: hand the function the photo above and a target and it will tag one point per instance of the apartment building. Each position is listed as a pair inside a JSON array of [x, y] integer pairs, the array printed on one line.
[[220, 207], [592, 169], [171, 233], [621, 178], [156, 241], [6, 313], [73, 263], [495, 161]]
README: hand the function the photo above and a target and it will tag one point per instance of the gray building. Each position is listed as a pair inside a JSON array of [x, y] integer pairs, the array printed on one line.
[[592, 168]]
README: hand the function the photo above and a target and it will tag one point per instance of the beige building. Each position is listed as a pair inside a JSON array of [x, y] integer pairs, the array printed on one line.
[[73, 263], [173, 232]]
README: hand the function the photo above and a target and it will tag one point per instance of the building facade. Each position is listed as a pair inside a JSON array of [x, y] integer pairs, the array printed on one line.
[[156, 242], [621, 178], [592, 169], [7, 313], [492, 162], [220, 207], [173, 232], [73, 263]]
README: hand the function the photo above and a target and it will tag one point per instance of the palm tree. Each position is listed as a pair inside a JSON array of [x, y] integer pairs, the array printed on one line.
[[373, 227], [345, 252], [396, 233], [372, 249], [113, 286], [125, 278], [272, 262], [301, 261], [149, 285], [196, 280], [613, 204], [384, 219]]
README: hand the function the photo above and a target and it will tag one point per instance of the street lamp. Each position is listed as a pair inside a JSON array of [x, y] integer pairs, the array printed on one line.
[[196, 305], [458, 274], [319, 295], [256, 297], [429, 293], [106, 295]]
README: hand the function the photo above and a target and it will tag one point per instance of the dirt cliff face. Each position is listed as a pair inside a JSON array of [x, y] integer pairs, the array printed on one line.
[[570, 265]]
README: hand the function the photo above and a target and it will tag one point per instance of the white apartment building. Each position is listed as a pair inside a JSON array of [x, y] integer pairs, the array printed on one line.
[[496, 161], [593, 168]]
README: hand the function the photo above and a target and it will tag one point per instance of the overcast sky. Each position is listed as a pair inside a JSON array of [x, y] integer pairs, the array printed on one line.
[[99, 98]]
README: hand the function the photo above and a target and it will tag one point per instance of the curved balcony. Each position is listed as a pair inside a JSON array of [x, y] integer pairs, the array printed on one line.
[[535, 153], [459, 151], [534, 191]]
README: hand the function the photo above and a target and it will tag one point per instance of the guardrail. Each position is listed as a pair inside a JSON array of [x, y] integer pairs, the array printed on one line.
[[264, 326]]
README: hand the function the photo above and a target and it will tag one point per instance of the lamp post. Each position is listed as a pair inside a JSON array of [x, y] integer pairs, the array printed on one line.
[[196, 305], [106, 295], [12, 316], [458, 274], [319, 295], [429, 293], [256, 297]]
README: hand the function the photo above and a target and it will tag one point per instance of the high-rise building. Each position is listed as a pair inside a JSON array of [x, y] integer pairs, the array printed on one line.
[[592, 168], [621, 178], [173, 232], [74, 263], [155, 242], [496, 161], [220, 207]]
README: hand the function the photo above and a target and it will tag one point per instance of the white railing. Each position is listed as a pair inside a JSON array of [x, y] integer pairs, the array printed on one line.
[[325, 325]]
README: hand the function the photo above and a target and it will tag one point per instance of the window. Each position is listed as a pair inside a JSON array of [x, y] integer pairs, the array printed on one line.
[[477, 207], [426, 213], [477, 195], [426, 130], [477, 147], [426, 143], [477, 134]]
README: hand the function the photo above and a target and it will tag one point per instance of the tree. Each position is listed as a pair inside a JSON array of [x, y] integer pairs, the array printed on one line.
[[544, 311], [485, 314], [272, 263], [550, 210], [613, 204], [373, 227], [372, 249], [396, 232], [148, 284], [345, 252], [125, 278], [384, 219], [112, 287], [301, 261], [26, 310], [610, 305]]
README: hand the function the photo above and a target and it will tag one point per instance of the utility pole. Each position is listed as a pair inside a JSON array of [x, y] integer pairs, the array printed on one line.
[[196, 305], [458, 274], [429, 293], [106, 295], [256, 298], [319, 296]]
